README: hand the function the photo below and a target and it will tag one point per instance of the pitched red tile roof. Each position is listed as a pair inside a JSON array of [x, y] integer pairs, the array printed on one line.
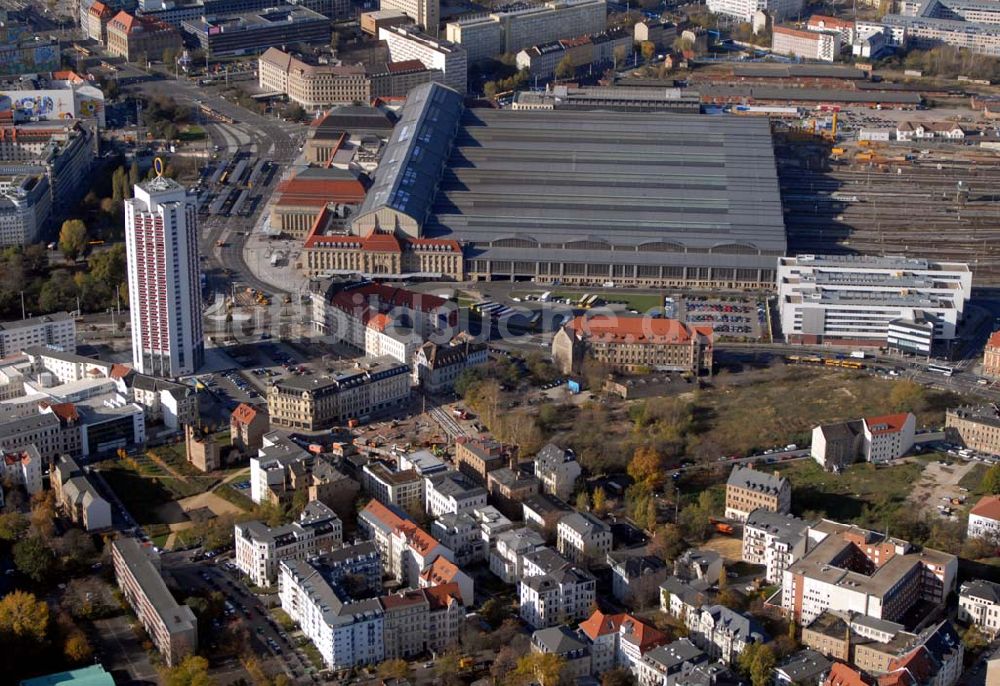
[[379, 322], [244, 413], [843, 675], [600, 624], [124, 21], [120, 371], [646, 636], [14, 458], [611, 328], [384, 514], [988, 507], [348, 191], [377, 241], [798, 33], [916, 667], [417, 538], [994, 341], [886, 424], [402, 599], [443, 595], [440, 571], [65, 411], [829, 22]]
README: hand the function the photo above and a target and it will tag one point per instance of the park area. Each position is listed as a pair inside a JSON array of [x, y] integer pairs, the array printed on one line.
[[169, 498]]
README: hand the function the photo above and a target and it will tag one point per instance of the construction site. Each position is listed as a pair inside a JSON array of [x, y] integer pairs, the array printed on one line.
[[918, 199]]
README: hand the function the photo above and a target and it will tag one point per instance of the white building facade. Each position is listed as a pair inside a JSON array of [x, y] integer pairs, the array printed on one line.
[[851, 300], [163, 279]]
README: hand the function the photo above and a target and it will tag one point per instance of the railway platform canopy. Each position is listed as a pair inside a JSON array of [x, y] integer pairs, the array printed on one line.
[[586, 196]]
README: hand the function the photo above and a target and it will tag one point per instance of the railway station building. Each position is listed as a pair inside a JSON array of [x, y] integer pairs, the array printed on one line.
[[582, 197]]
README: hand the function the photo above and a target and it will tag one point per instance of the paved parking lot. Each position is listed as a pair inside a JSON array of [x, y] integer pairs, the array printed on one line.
[[736, 318]]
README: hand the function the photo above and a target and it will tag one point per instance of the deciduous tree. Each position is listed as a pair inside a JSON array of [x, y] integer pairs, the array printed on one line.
[[565, 68], [646, 467], [34, 558], [542, 668], [24, 616], [600, 500], [991, 480], [757, 661], [192, 671], [77, 648], [72, 238]]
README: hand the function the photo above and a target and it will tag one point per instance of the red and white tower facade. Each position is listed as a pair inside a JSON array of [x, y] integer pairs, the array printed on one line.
[[163, 281]]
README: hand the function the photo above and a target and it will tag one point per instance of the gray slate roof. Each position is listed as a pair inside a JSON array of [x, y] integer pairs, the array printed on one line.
[[755, 480]]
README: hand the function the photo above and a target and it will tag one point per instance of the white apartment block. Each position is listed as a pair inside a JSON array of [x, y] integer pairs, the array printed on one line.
[[171, 627], [163, 279], [460, 533], [512, 31], [259, 549], [23, 468], [744, 10], [562, 596], [665, 665], [424, 13], [886, 576], [888, 437], [405, 549], [984, 519], [811, 45], [347, 634], [404, 489], [507, 557], [557, 468], [724, 633], [775, 541], [979, 604], [845, 28], [583, 538], [56, 330], [491, 524], [850, 299], [382, 339], [451, 492], [407, 43]]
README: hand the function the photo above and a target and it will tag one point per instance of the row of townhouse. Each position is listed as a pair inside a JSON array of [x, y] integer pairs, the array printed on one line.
[[869, 650], [407, 551], [335, 598], [553, 590], [259, 549]]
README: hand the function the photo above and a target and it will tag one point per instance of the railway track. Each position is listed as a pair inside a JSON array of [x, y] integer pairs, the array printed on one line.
[[915, 208]]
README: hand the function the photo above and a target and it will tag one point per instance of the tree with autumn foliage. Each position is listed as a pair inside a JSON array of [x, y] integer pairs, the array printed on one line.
[[542, 668], [646, 467]]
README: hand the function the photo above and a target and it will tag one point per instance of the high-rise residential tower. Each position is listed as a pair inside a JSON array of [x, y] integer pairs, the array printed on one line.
[[163, 283]]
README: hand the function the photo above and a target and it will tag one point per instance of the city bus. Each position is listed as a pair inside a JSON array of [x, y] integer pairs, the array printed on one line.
[[940, 369]]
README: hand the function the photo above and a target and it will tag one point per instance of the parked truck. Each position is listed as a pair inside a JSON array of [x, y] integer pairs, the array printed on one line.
[[858, 354]]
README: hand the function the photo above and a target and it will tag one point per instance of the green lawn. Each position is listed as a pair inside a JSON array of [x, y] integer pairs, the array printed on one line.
[[862, 494]]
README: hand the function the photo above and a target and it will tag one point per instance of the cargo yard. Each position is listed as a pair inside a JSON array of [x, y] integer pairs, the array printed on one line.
[[909, 198]]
